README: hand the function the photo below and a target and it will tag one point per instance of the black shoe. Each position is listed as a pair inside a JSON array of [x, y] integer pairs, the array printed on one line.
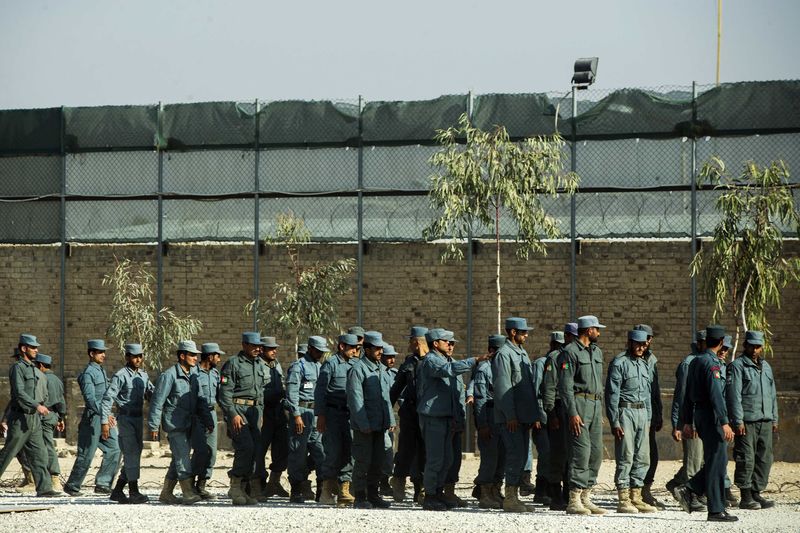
[[417, 489], [49, 494], [386, 489], [556, 502], [541, 494], [433, 503], [671, 484], [683, 495], [296, 496], [119, 497], [695, 503], [476, 492], [730, 497], [374, 498], [99, 489], [72, 492], [747, 501], [137, 498], [362, 504], [722, 517], [765, 504], [525, 486]]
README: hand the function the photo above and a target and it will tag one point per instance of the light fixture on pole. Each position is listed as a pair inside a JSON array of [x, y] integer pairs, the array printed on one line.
[[585, 72]]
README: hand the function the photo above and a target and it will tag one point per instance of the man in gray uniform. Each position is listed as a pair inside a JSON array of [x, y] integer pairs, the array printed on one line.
[[333, 421], [371, 415], [129, 387], [177, 404], [204, 445], [26, 410], [55, 420], [627, 398], [94, 382], [274, 428], [27, 484], [514, 406], [241, 395], [388, 358], [304, 439], [580, 385], [753, 408], [539, 433], [437, 401]]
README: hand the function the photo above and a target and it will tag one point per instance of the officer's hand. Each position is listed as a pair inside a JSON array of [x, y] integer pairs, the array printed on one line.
[[4, 426], [321, 423], [470, 400], [575, 425], [112, 421], [485, 433], [537, 425], [391, 429], [740, 430], [42, 410], [775, 428], [676, 435], [727, 432], [299, 427], [483, 357], [237, 423], [512, 425], [154, 435], [554, 423], [618, 433], [209, 430], [688, 431], [60, 426], [104, 431]]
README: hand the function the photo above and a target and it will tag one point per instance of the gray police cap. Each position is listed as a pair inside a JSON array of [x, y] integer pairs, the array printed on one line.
[[449, 336], [98, 345], [637, 335], [557, 336], [133, 349], [302, 349], [727, 342], [589, 321], [515, 322], [44, 359], [644, 327], [188, 346], [497, 341], [389, 350], [349, 339], [417, 331], [754, 338], [358, 331], [700, 335], [571, 328], [209, 348], [715, 331], [435, 334], [374, 338], [28, 340], [315, 341], [251, 337], [269, 342]]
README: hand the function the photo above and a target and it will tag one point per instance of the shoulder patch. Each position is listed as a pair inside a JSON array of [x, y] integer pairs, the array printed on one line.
[[564, 365], [224, 379]]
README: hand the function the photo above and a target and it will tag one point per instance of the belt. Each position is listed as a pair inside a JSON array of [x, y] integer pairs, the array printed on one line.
[[244, 401], [307, 405], [632, 405], [332, 405], [588, 396]]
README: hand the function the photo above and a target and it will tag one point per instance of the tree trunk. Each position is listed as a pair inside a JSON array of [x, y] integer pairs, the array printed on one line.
[[497, 275]]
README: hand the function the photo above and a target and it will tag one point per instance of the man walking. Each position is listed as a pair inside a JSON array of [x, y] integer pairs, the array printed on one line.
[[274, 428], [204, 444], [55, 420]]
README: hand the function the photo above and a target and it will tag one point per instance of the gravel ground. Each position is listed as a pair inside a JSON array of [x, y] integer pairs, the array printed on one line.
[[95, 513]]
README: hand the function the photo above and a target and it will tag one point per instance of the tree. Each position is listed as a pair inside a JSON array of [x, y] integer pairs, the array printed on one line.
[[308, 304], [135, 319], [744, 268], [480, 174]]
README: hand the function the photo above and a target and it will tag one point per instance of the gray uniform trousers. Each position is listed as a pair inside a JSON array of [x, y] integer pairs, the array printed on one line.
[[204, 449], [586, 449], [131, 444], [25, 433], [493, 457], [752, 453], [337, 442], [437, 434], [49, 424], [369, 453], [308, 443], [88, 442], [632, 452]]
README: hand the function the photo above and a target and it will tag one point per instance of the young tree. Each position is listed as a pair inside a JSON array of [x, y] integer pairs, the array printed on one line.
[[480, 174], [744, 268], [308, 305], [134, 317]]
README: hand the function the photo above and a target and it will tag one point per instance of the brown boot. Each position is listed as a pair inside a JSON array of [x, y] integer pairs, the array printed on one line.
[[28, 484], [487, 499], [166, 495], [236, 494], [257, 490], [511, 503], [586, 500], [575, 505], [329, 490], [451, 498], [344, 497], [200, 488], [636, 500], [189, 495], [56, 482], [625, 506], [251, 499]]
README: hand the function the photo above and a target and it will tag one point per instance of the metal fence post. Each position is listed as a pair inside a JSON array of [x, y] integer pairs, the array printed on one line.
[[160, 225], [573, 286], [62, 305], [469, 430], [694, 209], [360, 216], [256, 221]]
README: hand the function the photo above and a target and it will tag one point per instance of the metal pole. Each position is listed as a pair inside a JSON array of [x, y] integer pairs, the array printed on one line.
[[694, 210], [719, 36], [573, 288], [62, 305], [360, 217], [256, 222], [469, 433], [160, 237]]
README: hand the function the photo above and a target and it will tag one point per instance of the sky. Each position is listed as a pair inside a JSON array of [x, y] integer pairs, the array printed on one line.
[[89, 53]]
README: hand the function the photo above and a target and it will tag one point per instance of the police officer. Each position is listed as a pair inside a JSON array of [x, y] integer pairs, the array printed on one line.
[[556, 423], [514, 406], [539, 433], [55, 420], [93, 382], [241, 395], [705, 412], [490, 443], [388, 358], [410, 457], [629, 411], [333, 422], [580, 386], [129, 387], [26, 410], [437, 404], [656, 421], [27, 484], [753, 409], [371, 415], [450, 497], [177, 405], [692, 448], [304, 439], [204, 445], [274, 428]]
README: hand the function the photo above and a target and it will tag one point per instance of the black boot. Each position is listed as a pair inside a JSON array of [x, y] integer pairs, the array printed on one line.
[[417, 489], [557, 503], [361, 500], [433, 502], [136, 497], [541, 495], [375, 499], [747, 501], [730, 497], [765, 504], [525, 486], [296, 494], [117, 495]]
